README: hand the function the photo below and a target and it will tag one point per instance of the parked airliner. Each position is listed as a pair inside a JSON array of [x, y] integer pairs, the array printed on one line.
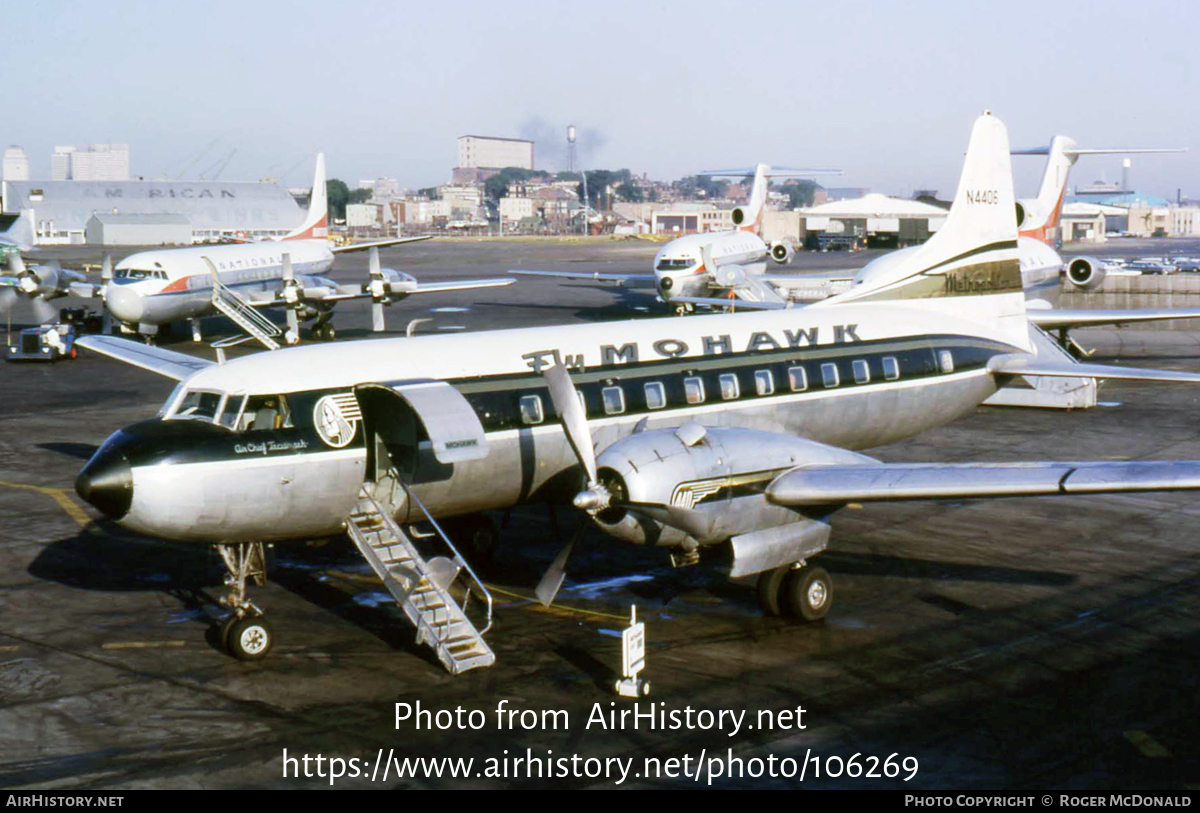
[[733, 431]]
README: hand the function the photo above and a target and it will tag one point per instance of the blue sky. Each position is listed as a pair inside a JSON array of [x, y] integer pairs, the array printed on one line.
[[887, 92]]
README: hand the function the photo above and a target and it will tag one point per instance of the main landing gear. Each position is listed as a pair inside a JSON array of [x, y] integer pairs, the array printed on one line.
[[246, 635], [798, 591]]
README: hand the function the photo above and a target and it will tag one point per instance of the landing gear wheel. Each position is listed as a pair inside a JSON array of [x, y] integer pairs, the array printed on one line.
[[770, 583], [324, 332], [250, 638], [807, 594]]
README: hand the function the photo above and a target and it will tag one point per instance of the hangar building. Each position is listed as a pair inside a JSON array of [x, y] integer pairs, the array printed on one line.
[[881, 220], [60, 210]]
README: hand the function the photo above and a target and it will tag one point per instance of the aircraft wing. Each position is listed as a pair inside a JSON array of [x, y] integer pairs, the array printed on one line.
[[619, 280], [342, 293], [725, 302], [880, 482], [1053, 318], [379, 244], [164, 362], [462, 285], [1025, 364]]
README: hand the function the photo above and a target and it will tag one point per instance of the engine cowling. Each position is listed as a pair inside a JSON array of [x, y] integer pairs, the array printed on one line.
[[717, 475], [781, 252], [1085, 273], [1029, 213], [738, 215]]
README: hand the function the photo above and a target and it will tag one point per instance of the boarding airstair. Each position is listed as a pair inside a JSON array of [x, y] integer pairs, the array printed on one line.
[[241, 313], [425, 587]]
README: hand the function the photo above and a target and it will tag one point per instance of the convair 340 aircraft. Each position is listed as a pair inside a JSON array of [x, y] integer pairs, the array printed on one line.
[[737, 432], [153, 288], [703, 265]]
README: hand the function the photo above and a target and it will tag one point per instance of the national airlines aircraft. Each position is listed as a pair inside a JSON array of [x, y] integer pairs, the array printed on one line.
[[699, 265], [735, 431], [151, 288]]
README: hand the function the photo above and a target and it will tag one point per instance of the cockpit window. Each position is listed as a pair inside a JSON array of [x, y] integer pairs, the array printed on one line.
[[666, 264], [135, 274], [265, 412], [198, 405]]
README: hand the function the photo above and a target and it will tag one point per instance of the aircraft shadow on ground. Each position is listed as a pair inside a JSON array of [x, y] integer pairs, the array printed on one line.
[[80, 451]]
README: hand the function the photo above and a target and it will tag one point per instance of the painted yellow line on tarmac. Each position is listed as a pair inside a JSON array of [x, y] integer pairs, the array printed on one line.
[[142, 644], [59, 495], [1149, 746]]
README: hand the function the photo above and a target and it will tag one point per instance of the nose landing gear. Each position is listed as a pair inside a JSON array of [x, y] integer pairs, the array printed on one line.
[[246, 635]]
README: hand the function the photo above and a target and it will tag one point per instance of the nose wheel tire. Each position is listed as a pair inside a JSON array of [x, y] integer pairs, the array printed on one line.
[[806, 594], [249, 638]]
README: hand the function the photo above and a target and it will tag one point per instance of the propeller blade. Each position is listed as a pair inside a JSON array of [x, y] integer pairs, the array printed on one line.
[[44, 311], [374, 267], [7, 298], [566, 404], [377, 316], [552, 580], [291, 301], [106, 269], [17, 264]]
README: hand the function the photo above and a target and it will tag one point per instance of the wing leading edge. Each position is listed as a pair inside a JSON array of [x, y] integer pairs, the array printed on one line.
[[164, 362]]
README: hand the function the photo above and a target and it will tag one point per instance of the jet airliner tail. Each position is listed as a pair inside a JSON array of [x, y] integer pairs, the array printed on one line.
[[316, 222]]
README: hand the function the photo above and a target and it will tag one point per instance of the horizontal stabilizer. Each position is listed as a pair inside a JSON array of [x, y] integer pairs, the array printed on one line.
[[620, 280], [164, 362], [1022, 364], [379, 244], [824, 485], [1054, 318]]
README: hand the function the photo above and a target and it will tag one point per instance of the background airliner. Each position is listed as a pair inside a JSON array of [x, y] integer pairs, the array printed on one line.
[[152, 288], [699, 265]]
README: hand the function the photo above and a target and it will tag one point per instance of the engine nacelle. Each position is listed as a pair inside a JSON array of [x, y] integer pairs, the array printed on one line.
[[398, 282], [42, 280], [1085, 273], [716, 474], [739, 216], [781, 252]]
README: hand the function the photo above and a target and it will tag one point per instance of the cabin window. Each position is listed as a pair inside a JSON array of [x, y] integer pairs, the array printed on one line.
[[946, 361], [764, 382], [265, 412], [798, 379], [891, 368], [693, 389], [614, 400], [531, 409], [829, 375], [729, 387], [656, 395], [862, 373], [198, 405]]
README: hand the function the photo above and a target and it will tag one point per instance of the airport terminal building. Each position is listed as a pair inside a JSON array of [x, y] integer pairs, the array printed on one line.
[[60, 210]]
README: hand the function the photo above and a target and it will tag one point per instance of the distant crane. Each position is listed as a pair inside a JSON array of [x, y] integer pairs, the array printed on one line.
[[219, 166]]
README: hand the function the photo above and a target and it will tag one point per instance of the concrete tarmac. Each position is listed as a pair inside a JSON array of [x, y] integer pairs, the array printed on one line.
[[1015, 644]]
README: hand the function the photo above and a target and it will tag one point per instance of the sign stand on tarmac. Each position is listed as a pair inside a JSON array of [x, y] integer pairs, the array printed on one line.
[[633, 658]]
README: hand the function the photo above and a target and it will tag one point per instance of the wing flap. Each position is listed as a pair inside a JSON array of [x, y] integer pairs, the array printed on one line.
[[824, 485], [1053, 318], [169, 363], [1022, 364]]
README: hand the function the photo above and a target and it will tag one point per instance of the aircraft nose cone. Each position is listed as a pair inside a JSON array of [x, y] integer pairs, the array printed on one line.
[[123, 303], [106, 482]]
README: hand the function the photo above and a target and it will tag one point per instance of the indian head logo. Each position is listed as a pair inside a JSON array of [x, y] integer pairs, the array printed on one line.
[[336, 418]]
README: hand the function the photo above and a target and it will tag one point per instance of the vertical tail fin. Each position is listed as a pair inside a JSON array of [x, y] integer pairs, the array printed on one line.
[[749, 218], [316, 222], [1038, 218], [975, 252]]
